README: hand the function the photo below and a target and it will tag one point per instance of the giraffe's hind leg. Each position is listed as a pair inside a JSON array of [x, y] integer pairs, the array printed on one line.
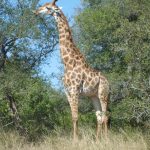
[[103, 92], [97, 107]]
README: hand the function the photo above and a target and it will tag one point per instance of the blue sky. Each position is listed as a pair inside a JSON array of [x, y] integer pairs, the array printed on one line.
[[68, 5], [53, 63]]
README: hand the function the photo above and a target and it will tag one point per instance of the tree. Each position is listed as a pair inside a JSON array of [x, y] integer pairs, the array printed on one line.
[[25, 41], [115, 35], [23, 35]]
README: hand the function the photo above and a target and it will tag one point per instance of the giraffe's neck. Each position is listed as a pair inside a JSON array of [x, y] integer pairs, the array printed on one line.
[[67, 46], [64, 31]]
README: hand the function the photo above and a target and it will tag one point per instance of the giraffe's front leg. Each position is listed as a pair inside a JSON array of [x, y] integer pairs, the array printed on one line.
[[73, 101], [74, 111]]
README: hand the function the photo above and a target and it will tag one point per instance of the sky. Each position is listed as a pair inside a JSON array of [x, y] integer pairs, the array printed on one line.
[[53, 65], [68, 5]]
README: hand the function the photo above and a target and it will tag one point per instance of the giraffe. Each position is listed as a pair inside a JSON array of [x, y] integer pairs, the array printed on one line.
[[79, 78]]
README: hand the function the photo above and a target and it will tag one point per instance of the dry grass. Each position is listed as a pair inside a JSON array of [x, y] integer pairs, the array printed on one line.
[[12, 141]]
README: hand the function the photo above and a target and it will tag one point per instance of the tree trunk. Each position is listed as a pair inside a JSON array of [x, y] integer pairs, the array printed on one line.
[[14, 113]]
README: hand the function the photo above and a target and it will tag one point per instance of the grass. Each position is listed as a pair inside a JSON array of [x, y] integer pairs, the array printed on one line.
[[58, 141]]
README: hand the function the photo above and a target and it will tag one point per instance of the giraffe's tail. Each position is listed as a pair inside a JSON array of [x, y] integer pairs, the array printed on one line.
[[109, 109]]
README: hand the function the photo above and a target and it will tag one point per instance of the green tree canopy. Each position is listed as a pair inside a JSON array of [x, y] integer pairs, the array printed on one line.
[[115, 37], [24, 36], [25, 41]]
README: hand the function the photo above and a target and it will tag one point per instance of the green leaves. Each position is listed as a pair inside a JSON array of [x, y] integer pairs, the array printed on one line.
[[114, 35], [25, 41]]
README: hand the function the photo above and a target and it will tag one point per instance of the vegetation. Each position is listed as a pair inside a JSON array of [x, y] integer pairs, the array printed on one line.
[[114, 35], [25, 42], [56, 141]]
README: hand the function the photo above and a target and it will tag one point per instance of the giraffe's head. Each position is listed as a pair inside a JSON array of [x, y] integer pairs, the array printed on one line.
[[49, 9]]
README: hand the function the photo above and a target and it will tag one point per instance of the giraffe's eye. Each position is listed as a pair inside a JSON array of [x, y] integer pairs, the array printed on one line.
[[48, 8]]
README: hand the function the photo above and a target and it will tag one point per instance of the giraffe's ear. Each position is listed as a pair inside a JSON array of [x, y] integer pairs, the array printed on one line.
[[60, 7]]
